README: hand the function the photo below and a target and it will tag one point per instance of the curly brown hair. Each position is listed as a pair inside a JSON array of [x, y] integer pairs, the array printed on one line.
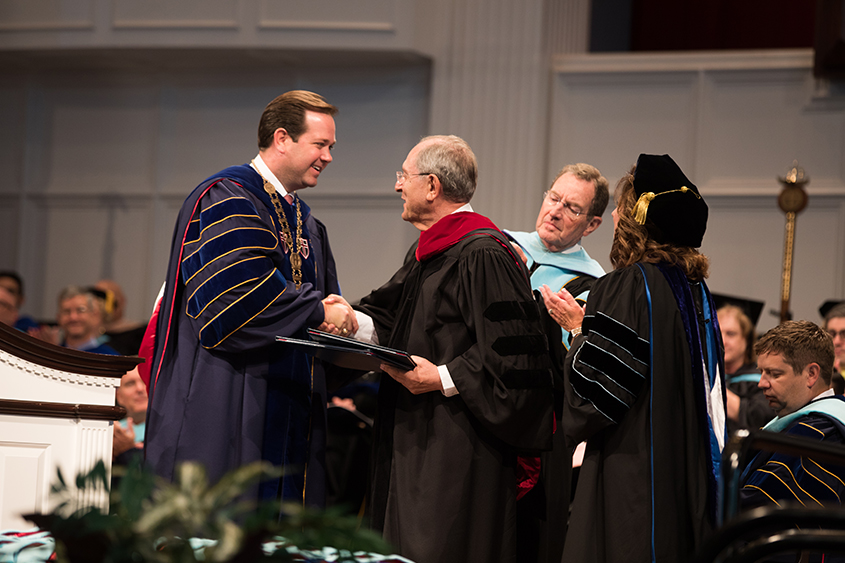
[[632, 242]]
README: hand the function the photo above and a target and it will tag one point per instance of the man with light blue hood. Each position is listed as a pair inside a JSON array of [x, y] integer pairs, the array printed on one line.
[[572, 209]]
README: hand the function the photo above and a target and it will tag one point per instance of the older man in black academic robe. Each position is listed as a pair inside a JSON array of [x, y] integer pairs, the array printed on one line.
[[448, 434]]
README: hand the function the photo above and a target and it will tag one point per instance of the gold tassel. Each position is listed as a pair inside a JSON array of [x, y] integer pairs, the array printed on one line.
[[641, 207], [686, 190]]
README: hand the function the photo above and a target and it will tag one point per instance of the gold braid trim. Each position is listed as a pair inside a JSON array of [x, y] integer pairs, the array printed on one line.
[[296, 245], [641, 207]]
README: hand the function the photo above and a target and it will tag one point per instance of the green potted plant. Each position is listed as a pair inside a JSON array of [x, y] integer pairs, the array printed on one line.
[[150, 520]]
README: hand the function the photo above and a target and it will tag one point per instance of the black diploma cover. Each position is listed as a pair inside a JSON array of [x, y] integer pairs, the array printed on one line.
[[348, 352]]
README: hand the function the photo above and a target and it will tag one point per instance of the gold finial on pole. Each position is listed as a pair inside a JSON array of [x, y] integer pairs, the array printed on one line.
[[792, 200]]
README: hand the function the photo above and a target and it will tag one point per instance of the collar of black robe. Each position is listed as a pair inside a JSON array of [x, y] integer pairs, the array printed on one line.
[[448, 231]]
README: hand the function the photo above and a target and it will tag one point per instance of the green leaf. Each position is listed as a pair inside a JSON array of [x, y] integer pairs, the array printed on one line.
[[150, 519]]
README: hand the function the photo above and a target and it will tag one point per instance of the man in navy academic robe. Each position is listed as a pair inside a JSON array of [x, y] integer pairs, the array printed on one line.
[[248, 263], [796, 361]]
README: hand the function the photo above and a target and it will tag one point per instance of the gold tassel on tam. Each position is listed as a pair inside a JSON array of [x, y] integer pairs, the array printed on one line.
[[641, 207]]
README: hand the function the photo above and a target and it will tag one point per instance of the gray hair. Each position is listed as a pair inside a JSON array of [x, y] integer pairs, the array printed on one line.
[[72, 291], [450, 159]]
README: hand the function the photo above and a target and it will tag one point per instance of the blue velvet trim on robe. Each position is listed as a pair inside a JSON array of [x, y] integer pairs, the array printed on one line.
[[243, 310], [232, 207], [289, 411], [650, 306], [679, 285], [204, 252], [248, 270]]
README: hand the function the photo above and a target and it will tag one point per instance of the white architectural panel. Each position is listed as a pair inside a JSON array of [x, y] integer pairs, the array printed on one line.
[[52, 15], [166, 13]]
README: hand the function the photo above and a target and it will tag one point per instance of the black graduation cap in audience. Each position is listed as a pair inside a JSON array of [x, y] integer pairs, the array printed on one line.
[[751, 307], [825, 307], [106, 296], [96, 292]]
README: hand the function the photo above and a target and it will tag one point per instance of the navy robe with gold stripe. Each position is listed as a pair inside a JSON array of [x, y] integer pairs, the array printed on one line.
[[221, 391], [783, 479]]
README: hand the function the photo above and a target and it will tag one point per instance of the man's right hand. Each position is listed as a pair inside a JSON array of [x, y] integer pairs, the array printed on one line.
[[339, 316]]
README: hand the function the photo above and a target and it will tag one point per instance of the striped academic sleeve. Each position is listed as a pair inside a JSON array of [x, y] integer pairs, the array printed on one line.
[[610, 366], [227, 267], [782, 479]]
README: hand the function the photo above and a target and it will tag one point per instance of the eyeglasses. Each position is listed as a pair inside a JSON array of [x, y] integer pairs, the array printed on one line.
[[78, 310], [402, 177], [554, 199], [834, 334]]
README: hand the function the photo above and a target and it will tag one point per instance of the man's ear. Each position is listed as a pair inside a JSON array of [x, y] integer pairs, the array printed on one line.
[[434, 188], [814, 372], [280, 136], [592, 226]]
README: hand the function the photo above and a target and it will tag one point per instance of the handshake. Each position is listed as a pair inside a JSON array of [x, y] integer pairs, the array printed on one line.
[[339, 317]]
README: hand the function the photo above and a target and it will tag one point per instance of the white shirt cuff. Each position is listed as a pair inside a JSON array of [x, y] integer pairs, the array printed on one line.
[[449, 388], [366, 328]]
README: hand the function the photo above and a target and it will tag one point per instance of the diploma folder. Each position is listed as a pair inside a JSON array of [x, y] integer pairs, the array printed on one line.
[[348, 352]]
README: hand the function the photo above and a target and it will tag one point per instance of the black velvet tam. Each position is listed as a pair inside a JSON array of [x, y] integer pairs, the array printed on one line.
[[669, 204], [751, 307]]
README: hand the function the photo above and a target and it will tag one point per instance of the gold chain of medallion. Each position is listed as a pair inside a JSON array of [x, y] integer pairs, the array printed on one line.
[[296, 245]]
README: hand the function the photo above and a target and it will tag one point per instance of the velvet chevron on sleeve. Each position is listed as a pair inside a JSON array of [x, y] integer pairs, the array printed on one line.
[[609, 369], [782, 479]]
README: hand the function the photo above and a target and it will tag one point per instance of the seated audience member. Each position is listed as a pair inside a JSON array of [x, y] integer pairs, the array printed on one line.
[[796, 361], [8, 307], [129, 432], [834, 325], [747, 406], [122, 335], [81, 321], [13, 283]]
